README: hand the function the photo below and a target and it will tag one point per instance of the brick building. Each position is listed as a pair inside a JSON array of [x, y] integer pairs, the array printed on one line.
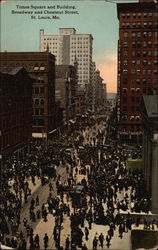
[[15, 111], [137, 63], [41, 67]]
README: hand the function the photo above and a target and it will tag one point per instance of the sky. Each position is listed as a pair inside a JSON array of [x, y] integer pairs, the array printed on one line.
[[97, 17]]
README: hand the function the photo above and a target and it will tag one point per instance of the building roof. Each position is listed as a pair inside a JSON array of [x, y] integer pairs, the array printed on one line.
[[149, 106], [15, 70]]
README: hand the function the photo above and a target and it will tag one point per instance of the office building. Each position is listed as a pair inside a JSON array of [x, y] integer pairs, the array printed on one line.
[[15, 112], [137, 64], [67, 46], [41, 67]]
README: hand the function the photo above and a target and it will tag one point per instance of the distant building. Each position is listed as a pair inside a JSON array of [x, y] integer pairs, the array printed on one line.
[[15, 111], [137, 63], [80, 100], [149, 112], [41, 67], [66, 81], [67, 46]]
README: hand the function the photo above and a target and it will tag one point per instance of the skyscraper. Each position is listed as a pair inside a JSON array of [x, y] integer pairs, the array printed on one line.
[[137, 63], [67, 46]]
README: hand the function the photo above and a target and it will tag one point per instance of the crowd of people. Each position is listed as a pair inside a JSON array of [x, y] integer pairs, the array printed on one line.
[[105, 189]]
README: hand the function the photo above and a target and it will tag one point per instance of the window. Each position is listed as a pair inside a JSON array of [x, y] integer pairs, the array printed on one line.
[[41, 111], [125, 81], [124, 99], [138, 44], [132, 99], [144, 44], [124, 90], [138, 90], [125, 44], [137, 81], [132, 71], [132, 90], [42, 90], [138, 62], [42, 101], [132, 109], [125, 34], [36, 101], [139, 15], [139, 34], [125, 53], [144, 53], [36, 90], [133, 44], [124, 108], [36, 111], [125, 71], [145, 15], [145, 34], [125, 62], [133, 53], [124, 117], [138, 53], [133, 34], [133, 62]]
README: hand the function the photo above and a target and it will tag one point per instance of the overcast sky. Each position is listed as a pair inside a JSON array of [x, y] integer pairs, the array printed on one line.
[[99, 18]]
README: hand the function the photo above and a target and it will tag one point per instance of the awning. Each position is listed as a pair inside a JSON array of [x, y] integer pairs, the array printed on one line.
[[71, 121], [53, 131], [39, 135]]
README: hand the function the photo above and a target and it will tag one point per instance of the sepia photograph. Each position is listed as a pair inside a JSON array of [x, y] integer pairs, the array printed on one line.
[[78, 124]]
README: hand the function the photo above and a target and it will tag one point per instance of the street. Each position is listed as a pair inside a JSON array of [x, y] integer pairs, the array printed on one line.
[[80, 206]]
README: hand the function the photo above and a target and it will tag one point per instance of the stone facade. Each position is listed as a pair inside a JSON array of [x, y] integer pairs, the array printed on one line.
[[149, 112]]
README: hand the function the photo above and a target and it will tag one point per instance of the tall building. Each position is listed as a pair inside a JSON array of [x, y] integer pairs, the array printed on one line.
[[15, 111], [137, 63], [67, 46], [149, 112], [41, 67]]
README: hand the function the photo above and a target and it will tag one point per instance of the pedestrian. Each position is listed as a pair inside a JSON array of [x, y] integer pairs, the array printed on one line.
[[45, 239], [95, 243], [67, 243], [37, 200], [37, 241], [25, 222], [86, 233], [101, 239]]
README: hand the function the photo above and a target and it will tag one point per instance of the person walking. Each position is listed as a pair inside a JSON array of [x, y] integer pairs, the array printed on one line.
[[45, 239]]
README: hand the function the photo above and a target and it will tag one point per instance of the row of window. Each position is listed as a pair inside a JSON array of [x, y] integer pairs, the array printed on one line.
[[138, 81], [140, 34], [38, 122], [138, 44], [138, 14], [139, 25], [38, 90], [131, 118], [139, 53], [139, 62], [38, 101], [38, 111], [131, 89], [138, 71], [132, 128]]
